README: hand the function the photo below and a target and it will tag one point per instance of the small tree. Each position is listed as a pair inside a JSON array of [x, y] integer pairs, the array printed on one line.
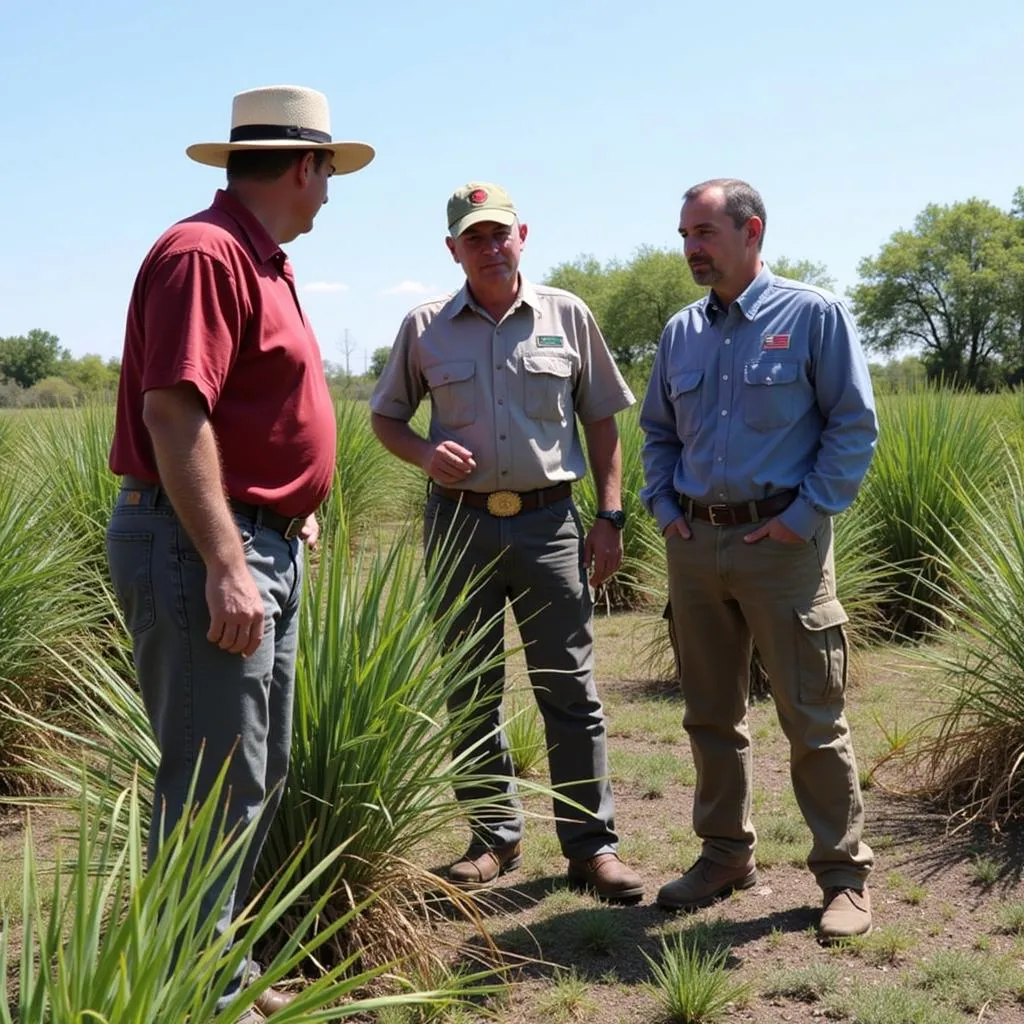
[[378, 361]]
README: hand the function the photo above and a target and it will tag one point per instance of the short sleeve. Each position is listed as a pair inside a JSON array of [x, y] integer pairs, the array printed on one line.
[[193, 322]]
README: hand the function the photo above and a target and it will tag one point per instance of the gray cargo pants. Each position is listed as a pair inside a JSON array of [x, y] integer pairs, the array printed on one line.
[[540, 569]]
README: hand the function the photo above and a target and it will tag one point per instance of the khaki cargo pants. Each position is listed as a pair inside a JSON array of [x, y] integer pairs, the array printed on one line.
[[724, 595]]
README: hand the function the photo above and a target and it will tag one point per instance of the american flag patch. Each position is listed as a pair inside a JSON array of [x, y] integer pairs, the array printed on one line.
[[771, 342]]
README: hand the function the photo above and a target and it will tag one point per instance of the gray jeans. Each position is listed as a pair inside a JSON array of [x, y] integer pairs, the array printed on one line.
[[198, 697], [540, 569]]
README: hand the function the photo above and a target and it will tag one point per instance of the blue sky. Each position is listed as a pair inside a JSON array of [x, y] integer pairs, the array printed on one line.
[[595, 116]]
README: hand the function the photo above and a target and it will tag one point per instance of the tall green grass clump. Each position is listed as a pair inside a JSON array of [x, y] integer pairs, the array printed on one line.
[[970, 753], [371, 748], [362, 469], [46, 606], [929, 442], [67, 453], [640, 580], [109, 938]]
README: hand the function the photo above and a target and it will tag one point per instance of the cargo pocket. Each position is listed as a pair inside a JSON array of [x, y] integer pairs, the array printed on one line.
[[547, 384], [453, 392], [821, 652], [684, 390]]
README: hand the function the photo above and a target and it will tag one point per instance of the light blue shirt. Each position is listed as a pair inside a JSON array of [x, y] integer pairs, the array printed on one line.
[[771, 394]]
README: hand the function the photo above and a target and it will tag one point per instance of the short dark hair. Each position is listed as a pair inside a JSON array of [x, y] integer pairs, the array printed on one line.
[[742, 201], [269, 164]]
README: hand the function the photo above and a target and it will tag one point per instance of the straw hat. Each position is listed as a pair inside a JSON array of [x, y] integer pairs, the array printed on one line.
[[282, 117]]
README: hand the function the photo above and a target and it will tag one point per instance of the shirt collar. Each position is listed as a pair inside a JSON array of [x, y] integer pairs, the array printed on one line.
[[264, 247], [749, 300], [463, 298]]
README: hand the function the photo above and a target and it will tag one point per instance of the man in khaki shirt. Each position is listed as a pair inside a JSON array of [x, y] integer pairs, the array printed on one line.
[[509, 366]]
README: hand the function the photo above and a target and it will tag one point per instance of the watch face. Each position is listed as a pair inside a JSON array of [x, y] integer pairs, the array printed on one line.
[[617, 518]]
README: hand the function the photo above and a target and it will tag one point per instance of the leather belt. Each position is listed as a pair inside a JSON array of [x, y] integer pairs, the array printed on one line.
[[741, 512], [288, 526], [506, 503]]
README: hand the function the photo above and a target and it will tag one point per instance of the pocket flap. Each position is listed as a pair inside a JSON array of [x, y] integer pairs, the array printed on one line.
[[769, 373], [449, 373], [685, 381], [823, 616], [547, 362]]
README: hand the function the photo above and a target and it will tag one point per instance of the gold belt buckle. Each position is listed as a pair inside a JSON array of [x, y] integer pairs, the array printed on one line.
[[504, 503]]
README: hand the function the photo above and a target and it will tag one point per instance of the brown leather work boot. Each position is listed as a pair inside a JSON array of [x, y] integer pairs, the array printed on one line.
[[608, 877], [847, 913], [705, 883], [478, 866]]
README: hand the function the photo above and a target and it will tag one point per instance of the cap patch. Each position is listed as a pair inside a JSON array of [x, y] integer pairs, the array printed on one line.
[[478, 196]]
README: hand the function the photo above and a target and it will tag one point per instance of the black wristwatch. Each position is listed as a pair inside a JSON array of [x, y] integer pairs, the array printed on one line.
[[616, 517]]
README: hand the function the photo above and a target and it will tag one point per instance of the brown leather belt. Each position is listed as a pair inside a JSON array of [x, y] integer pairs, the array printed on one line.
[[288, 527], [741, 512], [505, 503]]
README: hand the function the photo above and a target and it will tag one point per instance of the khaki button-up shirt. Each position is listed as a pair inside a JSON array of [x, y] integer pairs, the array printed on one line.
[[510, 392]]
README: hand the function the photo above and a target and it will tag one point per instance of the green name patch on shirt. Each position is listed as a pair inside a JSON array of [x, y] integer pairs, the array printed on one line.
[[549, 341]]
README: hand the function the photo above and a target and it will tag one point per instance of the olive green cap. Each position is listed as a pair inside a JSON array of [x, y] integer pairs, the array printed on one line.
[[479, 201]]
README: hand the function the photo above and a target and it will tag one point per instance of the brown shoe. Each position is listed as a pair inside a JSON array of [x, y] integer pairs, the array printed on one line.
[[847, 913], [608, 877], [251, 1017], [272, 999], [479, 866], [705, 883]]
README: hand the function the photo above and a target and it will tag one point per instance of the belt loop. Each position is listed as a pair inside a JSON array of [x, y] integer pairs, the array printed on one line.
[[689, 510], [752, 510]]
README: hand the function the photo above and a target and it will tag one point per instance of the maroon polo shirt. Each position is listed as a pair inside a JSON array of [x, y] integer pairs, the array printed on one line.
[[215, 304]]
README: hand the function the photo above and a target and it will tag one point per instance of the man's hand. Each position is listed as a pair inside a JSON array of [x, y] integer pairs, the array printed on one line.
[[602, 551], [310, 532], [236, 609], [679, 527], [777, 531], [448, 463]]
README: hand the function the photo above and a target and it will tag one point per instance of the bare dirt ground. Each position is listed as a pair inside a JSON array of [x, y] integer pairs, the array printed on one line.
[[933, 892]]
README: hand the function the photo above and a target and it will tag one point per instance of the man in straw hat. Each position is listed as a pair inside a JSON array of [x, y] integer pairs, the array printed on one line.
[[509, 366], [225, 442]]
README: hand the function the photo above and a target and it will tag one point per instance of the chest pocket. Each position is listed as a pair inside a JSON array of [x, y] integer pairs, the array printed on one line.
[[453, 392], [772, 395], [547, 386], [684, 390]]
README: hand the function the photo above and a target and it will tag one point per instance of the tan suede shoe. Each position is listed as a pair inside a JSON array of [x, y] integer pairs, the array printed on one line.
[[847, 913], [479, 866], [608, 877], [705, 883]]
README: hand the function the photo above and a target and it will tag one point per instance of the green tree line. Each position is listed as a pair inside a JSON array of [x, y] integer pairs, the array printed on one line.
[[35, 369]]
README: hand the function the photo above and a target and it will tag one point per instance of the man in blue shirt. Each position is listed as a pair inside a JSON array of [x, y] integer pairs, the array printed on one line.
[[759, 427]]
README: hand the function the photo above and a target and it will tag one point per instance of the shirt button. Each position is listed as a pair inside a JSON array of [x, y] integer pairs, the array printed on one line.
[[501, 437], [725, 412], [725, 376], [501, 401], [721, 458], [721, 494], [504, 472], [728, 341], [499, 366], [767, 380]]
